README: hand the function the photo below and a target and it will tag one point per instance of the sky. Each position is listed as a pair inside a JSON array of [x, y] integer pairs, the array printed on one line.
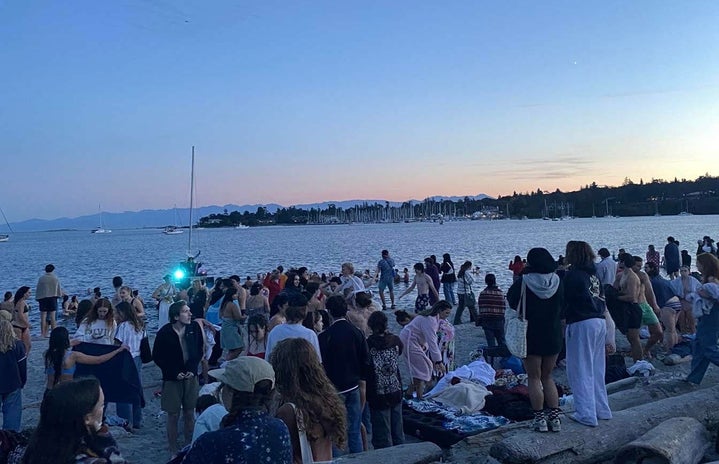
[[304, 101]]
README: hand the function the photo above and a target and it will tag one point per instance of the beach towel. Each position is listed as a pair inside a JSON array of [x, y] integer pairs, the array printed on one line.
[[118, 377]]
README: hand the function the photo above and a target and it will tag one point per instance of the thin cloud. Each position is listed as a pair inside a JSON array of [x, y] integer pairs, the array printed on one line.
[[557, 167]]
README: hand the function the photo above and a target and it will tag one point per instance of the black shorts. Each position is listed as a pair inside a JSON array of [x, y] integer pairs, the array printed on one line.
[[626, 315], [634, 316], [48, 304]]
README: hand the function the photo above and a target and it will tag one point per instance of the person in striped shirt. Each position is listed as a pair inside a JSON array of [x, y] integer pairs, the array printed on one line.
[[491, 312]]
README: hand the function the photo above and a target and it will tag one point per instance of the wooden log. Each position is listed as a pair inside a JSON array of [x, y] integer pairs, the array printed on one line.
[[412, 453], [621, 398], [681, 440], [623, 384], [581, 444]]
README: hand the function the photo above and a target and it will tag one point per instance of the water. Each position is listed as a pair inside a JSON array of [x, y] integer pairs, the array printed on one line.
[[142, 257]]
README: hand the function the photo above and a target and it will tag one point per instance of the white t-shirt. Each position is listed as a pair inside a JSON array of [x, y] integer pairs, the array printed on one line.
[[285, 331], [209, 420], [98, 332], [127, 334], [352, 283]]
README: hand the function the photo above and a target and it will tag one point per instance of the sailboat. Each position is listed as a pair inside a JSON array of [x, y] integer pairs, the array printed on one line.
[[189, 269], [5, 237], [101, 229], [173, 230]]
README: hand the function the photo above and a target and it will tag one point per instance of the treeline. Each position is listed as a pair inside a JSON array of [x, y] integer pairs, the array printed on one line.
[[657, 196]]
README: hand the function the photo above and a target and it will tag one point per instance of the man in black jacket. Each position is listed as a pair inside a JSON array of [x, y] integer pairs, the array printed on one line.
[[346, 360], [177, 352]]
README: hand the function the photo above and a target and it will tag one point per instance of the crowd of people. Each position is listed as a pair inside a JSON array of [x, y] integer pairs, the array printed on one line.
[[301, 367]]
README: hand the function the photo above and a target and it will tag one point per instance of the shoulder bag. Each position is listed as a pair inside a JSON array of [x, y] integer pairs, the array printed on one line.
[[305, 448], [469, 299], [145, 351], [515, 326]]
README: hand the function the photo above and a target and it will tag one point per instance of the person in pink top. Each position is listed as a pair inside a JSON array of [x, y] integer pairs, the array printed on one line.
[[415, 336]]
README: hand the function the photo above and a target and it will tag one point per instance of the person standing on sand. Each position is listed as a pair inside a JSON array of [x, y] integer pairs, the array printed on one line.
[[345, 357], [653, 255], [432, 271], [20, 319], [589, 336], [516, 267], [178, 350], [465, 295], [543, 304], [650, 309], [385, 278], [685, 288], [165, 295], [672, 258], [449, 279], [424, 286], [629, 286], [117, 285], [47, 293], [491, 305], [606, 267]]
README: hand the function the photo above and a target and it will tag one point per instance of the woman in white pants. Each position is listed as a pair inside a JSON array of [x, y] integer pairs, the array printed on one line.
[[586, 336]]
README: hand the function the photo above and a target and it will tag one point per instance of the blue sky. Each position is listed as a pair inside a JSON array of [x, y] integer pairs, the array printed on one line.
[[303, 101]]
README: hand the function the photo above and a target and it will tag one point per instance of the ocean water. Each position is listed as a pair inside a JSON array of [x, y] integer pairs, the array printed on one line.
[[142, 257]]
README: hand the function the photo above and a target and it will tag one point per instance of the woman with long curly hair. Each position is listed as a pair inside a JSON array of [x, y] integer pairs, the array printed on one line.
[[98, 326], [311, 406]]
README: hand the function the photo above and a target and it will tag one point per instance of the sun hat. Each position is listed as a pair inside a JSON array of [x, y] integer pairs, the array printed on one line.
[[244, 372]]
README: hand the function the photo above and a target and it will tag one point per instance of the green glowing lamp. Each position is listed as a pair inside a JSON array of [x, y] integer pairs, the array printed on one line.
[[179, 274]]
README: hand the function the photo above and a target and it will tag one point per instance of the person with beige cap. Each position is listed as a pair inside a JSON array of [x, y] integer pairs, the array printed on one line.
[[248, 434]]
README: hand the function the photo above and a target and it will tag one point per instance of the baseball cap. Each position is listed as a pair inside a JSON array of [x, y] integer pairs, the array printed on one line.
[[243, 373]]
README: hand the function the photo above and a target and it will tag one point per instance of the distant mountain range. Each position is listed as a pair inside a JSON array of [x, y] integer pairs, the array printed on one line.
[[148, 218]]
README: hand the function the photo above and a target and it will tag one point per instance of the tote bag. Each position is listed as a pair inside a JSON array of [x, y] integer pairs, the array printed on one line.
[[515, 326], [145, 350], [305, 447]]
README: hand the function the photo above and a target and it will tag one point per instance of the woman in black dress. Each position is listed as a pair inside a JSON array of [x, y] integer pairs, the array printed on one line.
[[543, 289]]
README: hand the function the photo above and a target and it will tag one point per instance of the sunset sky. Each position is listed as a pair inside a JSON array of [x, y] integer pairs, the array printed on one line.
[[304, 101]]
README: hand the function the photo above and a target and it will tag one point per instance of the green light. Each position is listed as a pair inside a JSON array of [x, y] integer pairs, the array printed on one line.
[[179, 274]]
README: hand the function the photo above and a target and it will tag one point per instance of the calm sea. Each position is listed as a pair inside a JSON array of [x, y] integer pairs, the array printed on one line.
[[142, 257]]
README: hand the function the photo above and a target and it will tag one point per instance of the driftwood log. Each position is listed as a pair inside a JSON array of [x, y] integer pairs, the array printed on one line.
[[681, 440], [580, 444], [413, 453]]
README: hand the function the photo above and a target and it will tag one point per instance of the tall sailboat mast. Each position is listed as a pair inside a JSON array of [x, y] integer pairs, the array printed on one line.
[[192, 201]]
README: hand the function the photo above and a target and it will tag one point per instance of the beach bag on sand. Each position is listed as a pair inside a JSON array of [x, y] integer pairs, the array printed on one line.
[[145, 350], [515, 326]]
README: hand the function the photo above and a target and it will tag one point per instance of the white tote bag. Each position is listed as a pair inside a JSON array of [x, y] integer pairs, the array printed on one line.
[[515, 326]]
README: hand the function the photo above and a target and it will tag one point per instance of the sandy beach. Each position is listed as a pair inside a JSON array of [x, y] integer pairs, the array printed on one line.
[[149, 445]]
